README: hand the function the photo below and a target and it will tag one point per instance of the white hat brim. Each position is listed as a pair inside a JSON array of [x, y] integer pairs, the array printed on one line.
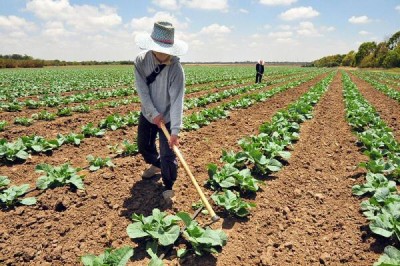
[[145, 42]]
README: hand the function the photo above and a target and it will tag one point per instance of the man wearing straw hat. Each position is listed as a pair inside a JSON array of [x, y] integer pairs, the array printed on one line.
[[160, 83]]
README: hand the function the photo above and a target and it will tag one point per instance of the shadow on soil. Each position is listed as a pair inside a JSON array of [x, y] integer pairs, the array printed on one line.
[[377, 243], [146, 195]]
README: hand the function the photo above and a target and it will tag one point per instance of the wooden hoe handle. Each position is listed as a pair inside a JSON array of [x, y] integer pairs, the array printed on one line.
[[214, 217]]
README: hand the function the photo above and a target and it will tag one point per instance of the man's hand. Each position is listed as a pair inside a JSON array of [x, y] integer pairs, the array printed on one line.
[[158, 120], [173, 141]]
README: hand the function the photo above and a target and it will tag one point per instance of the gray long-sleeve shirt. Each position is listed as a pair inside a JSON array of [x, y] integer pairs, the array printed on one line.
[[163, 96]]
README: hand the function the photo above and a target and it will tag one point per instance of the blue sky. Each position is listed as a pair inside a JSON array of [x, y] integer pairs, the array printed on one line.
[[215, 30]]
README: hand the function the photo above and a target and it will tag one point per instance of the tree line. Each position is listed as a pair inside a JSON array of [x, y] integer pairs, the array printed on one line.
[[385, 54]]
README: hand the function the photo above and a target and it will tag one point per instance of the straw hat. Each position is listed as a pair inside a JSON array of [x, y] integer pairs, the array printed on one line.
[[162, 40]]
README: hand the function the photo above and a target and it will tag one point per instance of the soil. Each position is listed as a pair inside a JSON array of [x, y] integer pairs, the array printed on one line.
[[305, 213]]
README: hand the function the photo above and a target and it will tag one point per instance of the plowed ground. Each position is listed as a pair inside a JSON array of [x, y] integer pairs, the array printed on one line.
[[305, 214]]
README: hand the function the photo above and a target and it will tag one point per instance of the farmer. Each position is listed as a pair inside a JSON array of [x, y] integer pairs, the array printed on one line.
[[259, 70], [160, 83]]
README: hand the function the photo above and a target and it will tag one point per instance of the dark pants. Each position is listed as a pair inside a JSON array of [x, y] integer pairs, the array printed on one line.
[[166, 160], [258, 78]]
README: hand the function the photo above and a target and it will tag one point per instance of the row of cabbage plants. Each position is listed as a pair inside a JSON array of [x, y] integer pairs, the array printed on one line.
[[376, 139], [261, 154], [20, 149]]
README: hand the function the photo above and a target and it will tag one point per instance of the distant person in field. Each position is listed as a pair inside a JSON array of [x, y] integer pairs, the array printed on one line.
[[259, 70], [160, 83]]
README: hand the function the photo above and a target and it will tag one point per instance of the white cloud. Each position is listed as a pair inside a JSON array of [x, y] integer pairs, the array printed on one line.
[[215, 29], [81, 17], [359, 20], [299, 13], [253, 44], [307, 29], [206, 4], [242, 10], [327, 29], [397, 8], [167, 4], [363, 32], [285, 40], [267, 26], [284, 27], [277, 2], [280, 34], [56, 29], [15, 23]]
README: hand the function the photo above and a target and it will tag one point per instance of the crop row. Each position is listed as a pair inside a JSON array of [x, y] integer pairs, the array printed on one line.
[[28, 82], [18, 150], [383, 169], [82, 108], [387, 90]]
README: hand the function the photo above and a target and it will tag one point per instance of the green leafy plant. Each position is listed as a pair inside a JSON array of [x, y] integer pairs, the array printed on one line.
[[58, 176], [31, 104], [4, 181], [374, 181], [113, 122], [159, 227], [14, 106], [110, 257], [387, 223], [71, 138], [44, 115], [90, 131], [202, 240], [382, 197], [96, 162], [39, 144], [66, 111], [3, 125], [11, 196], [390, 257], [12, 151], [23, 121], [83, 108], [229, 176], [233, 203], [127, 148]]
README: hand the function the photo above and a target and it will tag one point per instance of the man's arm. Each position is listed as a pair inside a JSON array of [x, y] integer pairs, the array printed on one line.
[[143, 92]]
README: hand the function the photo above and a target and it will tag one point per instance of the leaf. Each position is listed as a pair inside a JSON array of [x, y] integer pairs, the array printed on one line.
[[91, 260], [170, 236], [22, 155], [94, 168], [185, 218], [151, 249], [391, 257], [28, 201], [77, 182], [135, 230], [120, 257], [4, 181], [43, 182]]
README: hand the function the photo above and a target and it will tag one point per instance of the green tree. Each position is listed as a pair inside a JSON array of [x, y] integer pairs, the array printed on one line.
[[349, 59], [380, 54], [392, 58], [394, 41], [364, 50]]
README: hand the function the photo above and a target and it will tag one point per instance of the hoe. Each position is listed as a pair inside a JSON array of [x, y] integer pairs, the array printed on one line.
[[214, 217]]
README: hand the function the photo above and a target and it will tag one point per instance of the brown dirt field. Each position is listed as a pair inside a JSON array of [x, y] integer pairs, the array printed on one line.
[[305, 214]]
